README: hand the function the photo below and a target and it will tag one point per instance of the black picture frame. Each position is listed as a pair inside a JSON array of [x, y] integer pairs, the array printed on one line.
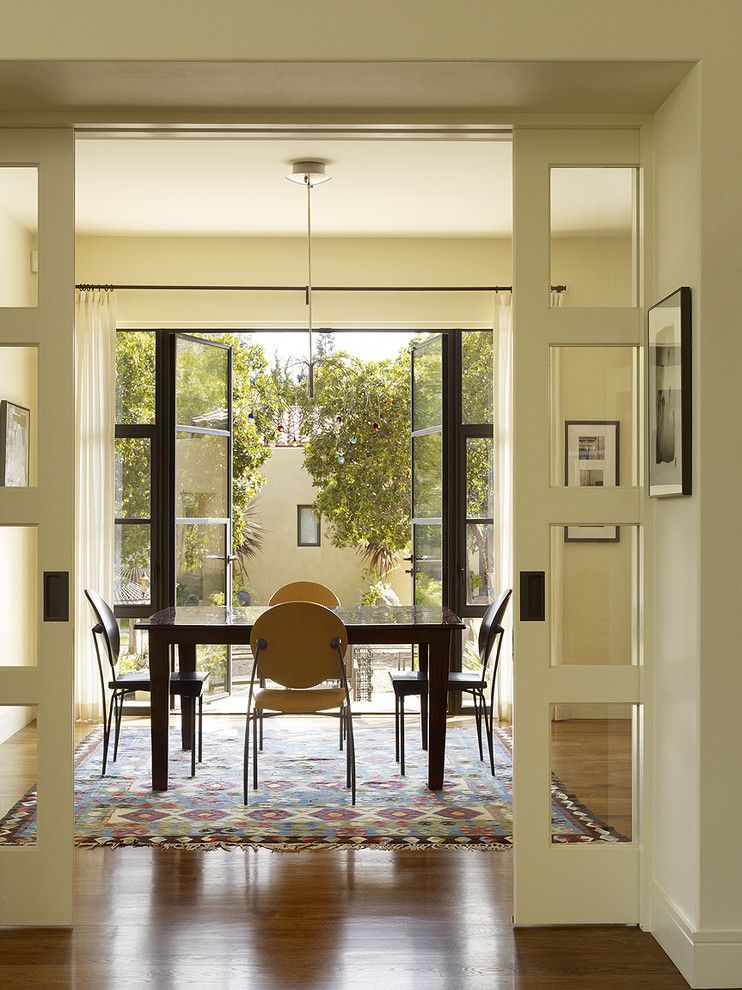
[[670, 398], [15, 434], [593, 442]]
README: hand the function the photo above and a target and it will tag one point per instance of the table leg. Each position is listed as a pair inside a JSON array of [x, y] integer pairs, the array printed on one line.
[[159, 673], [439, 653], [186, 664], [423, 659]]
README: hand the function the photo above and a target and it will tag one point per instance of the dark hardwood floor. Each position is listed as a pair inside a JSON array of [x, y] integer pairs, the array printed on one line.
[[329, 919]]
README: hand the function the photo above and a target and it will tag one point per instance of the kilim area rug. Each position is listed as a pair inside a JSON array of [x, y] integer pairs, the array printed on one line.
[[301, 801]]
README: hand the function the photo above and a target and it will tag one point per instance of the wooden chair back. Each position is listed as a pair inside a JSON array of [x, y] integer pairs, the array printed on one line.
[[305, 591], [491, 631], [299, 644], [107, 627]]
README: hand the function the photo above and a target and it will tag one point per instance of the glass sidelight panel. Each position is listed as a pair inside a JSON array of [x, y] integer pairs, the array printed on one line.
[[18, 413], [428, 582], [200, 574], [593, 235], [480, 471], [19, 227], [480, 563], [18, 595], [427, 388], [201, 475], [132, 556], [594, 594], [135, 377], [477, 376], [132, 477], [18, 775], [594, 399], [202, 385], [592, 770]]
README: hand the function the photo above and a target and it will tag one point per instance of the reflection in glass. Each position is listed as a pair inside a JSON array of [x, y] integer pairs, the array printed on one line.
[[19, 772], [595, 389], [427, 476], [477, 376], [593, 234], [202, 381], [480, 563], [132, 478], [201, 463], [135, 378], [428, 541], [480, 470], [594, 594], [592, 766], [200, 571], [19, 570], [428, 582], [19, 210], [427, 384], [131, 564]]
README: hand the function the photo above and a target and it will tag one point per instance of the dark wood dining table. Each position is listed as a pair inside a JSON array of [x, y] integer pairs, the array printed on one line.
[[431, 628]]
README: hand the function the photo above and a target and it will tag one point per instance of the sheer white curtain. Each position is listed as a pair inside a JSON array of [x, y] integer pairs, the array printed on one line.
[[95, 348], [503, 353]]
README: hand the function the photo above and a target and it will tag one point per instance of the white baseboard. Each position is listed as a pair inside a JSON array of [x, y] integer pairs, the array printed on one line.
[[709, 960], [13, 718]]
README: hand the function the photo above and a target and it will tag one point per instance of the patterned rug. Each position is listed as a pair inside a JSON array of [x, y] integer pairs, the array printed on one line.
[[301, 802]]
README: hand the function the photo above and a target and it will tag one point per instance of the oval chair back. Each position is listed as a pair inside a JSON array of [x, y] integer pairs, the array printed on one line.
[[297, 643], [107, 627], [491, 630], [305, 591]]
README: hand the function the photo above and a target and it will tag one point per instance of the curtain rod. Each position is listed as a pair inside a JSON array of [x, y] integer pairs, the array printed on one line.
[[87, 287]]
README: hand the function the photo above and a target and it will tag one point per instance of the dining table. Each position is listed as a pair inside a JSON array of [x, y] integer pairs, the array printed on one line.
[[174, 633]]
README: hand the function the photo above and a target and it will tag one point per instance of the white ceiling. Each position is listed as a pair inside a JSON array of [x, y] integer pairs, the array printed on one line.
[[379, 188]]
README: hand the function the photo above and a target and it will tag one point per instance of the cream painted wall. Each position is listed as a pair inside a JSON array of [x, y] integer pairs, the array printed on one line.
[[287, 485], [17, 282]]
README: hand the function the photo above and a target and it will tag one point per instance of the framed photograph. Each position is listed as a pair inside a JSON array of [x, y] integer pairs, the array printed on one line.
[[670, 394], [15, 429], [591, 460]]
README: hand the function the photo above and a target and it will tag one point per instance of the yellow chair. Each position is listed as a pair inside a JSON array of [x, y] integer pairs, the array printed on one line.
[[305, 591], [298, 645]]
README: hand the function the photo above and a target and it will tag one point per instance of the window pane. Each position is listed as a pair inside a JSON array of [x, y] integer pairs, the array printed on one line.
[[133, 478], [593, 235], [18, 775], [19, 568], [594, 418], [428, 583], [201, 462], [134, 653], [135, 378], [594, 594], [202, 382], [428, 542], [480, 469], [480, 563], [213, 660], [309, 533], [470, 645], [200, 572], [427, 384], [131, 563], [427, 476], [592, 771], [19, 225], [477, 376]]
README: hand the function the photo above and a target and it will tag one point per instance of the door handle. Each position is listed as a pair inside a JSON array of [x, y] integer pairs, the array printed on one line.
[[532, 596]]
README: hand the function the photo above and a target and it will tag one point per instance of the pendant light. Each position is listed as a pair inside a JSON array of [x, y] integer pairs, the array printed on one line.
[[309, 174]]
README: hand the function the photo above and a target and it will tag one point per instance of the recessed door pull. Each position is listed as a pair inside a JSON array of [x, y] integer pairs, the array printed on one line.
[[532, 596]]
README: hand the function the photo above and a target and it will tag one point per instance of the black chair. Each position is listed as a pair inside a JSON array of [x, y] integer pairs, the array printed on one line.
[[407, 683], [184, 684]]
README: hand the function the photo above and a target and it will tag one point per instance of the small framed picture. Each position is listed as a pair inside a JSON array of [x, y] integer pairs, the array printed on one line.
[[591, 460], [670, 394], [15, 428]]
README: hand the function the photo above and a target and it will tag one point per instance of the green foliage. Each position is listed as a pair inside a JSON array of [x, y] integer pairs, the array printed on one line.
[[358, 454]]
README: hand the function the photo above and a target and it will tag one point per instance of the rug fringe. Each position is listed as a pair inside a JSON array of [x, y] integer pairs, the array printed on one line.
[[292, 847]]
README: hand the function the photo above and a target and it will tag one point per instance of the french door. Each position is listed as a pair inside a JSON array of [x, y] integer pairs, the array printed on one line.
[[37, 514], [578, 528]]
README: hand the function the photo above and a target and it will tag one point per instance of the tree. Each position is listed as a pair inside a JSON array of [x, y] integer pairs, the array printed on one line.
[[358, 453]]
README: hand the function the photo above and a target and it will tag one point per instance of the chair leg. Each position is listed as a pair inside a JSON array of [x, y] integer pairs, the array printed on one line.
[[341, 729], [352, 754], [201, 728], [245, 758], [424, 718], [343, 721], [478, 717], [119, 713], [396, 729], [260, 732], [401, 735], [255, 751], [489, 729], [192, 705], [107, 721]]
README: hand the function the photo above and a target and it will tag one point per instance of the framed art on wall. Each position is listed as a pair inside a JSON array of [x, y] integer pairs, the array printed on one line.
[[15, 428], [591, 460], [670, 394]]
